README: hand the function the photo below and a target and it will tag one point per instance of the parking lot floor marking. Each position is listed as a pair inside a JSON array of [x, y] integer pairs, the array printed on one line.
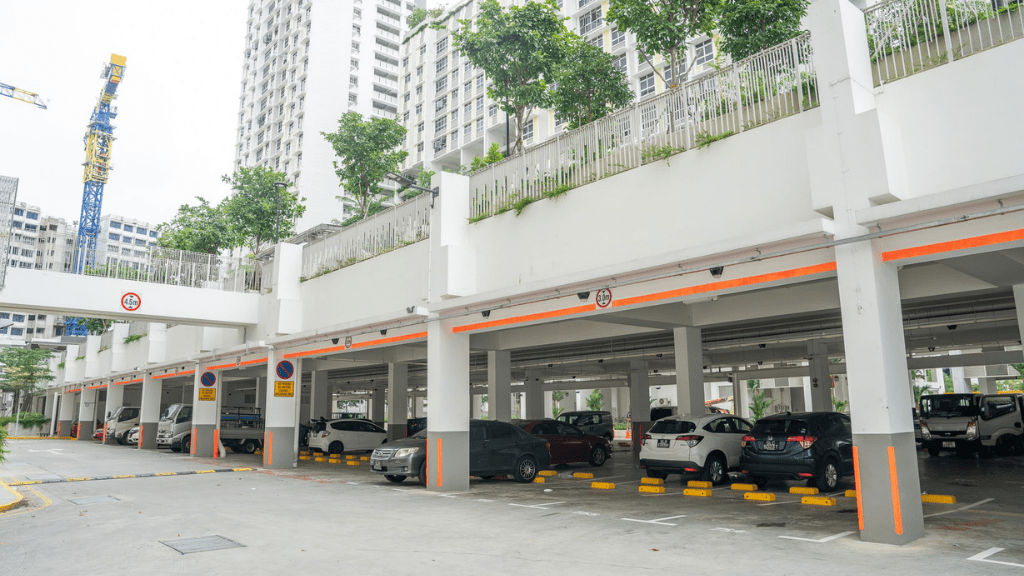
[[46, 502], [660, 521], [821, 540], [125, 476], [983, 557], [537, 506], [979, 503]]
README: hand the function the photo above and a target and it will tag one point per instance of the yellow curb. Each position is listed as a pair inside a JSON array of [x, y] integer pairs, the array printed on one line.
[[350, 456], [241, 469], [818, 500], [205, 471], [850, 494], [547, 473], [320, 459], [603, 485], [335, 456], [26, 482], [587, 475], [538, 480], [699, 484], [702, 492], [364, 458], [763, 496], [653, 481], [80, 479], [352, 462], [124, 476], [304, 458], [17, 495], [744, 487], [938, 498], [652, 489], [803, 490], [159, 474]]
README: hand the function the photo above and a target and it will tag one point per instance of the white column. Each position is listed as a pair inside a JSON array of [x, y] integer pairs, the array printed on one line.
[[206, 398], [115, 399], [956, 373], [149, 416], [377, 405], [639, 401], [281, 437], [448, 424], [1018, 300], [319, 395], [689, 371], [499, 385], [67, 414], [398, 408], [821, 381], [86, 423], [533, 404]]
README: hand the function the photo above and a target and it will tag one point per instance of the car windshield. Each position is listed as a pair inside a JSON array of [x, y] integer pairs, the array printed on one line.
[[949, 405], [422, 434], [171, 411], [115, 414], [780, 426], [673, 427]]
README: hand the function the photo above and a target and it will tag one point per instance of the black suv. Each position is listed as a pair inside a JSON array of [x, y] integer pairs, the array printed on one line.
[[812, 446], [494, 448]]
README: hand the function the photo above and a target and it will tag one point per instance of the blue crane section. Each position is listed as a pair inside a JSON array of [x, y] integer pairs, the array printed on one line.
[[23, 95]]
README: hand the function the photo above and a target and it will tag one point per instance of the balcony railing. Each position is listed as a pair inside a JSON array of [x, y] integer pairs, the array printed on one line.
[[189, 269], [765, 87]]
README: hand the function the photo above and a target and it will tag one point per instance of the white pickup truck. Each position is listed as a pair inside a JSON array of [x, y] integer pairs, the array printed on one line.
[[241, 429], [971, 423], [121, 422]]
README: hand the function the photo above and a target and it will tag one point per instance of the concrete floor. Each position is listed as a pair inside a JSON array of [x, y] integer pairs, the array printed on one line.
[[328, 516]]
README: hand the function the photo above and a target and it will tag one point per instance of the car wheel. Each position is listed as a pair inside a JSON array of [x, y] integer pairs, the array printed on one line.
[[934, 448], [761, 481], [175, 448], [423, 474], [526, 469], [186, 444], [124, 438], [828, 475], [652, 473], [249, 447], [336, 447], [714, 470], [236, 449], [395, 478], [598, 456]]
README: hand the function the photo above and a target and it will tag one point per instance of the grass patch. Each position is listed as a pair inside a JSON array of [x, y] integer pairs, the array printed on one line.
[[705, 139]]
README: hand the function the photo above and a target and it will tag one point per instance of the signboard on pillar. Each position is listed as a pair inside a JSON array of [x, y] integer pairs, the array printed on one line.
[[284, 389], [207, 394]]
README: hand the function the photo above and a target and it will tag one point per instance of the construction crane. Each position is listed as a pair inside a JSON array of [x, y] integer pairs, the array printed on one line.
[[98, 141], [23, 95]]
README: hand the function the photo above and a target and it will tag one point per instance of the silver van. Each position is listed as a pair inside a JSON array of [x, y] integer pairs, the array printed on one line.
[[969, 423]]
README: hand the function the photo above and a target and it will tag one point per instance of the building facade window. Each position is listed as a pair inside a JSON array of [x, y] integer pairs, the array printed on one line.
[[647, 84]]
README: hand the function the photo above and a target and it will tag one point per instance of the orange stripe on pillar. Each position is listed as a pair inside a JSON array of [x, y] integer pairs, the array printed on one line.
[[216, 443], [440, 454], [897, 516], [953, 245], [856, 484], [270, 449], [192, 449]]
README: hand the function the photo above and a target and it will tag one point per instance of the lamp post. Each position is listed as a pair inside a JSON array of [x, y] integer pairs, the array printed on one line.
[[277, 230], [405, 181]]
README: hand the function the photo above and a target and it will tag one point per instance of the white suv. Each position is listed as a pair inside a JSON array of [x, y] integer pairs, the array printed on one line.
[[708, 445], [347, 435]]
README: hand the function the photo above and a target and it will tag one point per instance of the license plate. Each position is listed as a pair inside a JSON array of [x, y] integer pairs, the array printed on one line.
[[770, 445], [376, 466], [949, 444], [663, 443]]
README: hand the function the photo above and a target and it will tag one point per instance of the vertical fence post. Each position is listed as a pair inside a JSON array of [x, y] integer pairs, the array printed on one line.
[[946, 32]]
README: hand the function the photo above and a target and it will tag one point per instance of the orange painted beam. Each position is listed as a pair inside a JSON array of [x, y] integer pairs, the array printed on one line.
[[954, 245]]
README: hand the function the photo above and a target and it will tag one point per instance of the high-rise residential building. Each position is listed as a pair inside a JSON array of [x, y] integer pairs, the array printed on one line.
[[305, 63], [124, 241], [24, 236]]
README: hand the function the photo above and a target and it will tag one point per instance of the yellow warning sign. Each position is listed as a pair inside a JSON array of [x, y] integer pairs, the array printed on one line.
[[207, 394], [284, 389]]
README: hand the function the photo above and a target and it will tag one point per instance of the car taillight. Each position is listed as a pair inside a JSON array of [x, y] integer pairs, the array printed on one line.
[[805, 441], [743, 442], [547, 446], [690, 440], [644, 440]]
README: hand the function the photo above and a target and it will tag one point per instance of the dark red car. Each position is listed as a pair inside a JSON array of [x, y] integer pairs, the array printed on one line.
[[568, 443]]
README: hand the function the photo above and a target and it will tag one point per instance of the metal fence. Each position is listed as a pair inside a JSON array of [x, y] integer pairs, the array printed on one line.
[[383, 232], [767, 86], [908, 36], [190, 269]]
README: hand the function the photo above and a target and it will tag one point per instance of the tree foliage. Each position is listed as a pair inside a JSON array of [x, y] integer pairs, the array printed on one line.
[[519, 49], [759, 403], [367, 151], [493, 155], [200, 228], [662, 27], [251, 211], [750, 26], [416, 17], [595, 401], [556, 397], [23, 371], [589, 85]]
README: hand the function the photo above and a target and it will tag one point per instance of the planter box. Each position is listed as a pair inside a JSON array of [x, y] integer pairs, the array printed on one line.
[[15, 430]]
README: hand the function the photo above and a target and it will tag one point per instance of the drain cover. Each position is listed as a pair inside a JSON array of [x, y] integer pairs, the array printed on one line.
[[201, 544], [92, 500]]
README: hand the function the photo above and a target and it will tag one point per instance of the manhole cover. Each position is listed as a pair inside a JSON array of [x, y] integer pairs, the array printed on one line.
[[772, 525], [92, 500], [201, 544]]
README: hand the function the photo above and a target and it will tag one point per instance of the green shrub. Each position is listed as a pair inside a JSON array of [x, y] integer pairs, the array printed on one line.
[[27, 419]]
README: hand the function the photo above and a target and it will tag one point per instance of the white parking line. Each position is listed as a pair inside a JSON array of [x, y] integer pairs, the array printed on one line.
[[960, 509], [983, 557], [822, 540], [660, 521], [537, 506]]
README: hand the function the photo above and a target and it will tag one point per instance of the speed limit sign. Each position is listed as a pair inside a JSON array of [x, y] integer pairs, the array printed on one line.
[[130, 301]]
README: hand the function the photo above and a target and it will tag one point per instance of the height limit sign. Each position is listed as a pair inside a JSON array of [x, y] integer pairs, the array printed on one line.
[[130, 301]]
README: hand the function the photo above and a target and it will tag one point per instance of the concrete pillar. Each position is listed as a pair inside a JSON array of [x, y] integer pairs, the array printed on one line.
[[377, 405], [261, 394], [67, 414], [640, 401], [115, 399], [319, 395], [398, 406], [156, 335], [884, 449], [475, 410], [118, 349], [797, 398], [149, 413], [1018, 300], [821, 381], [86, 413], [499, 385], [689, 371], [534, 402], [961, 385], [419, 411], [448, 424], [54, 411], [281, 437], [207, 390]]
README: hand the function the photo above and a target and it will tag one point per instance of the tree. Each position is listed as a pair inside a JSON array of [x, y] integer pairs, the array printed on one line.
[[367, 151], [200, 228], [493, 155], [589, 85], [595, 401], [758, 402], [556, 397], [97, 326], [519, 50], [416, 17], [750, 26], [23, 371], [251, 212], [663, 27]]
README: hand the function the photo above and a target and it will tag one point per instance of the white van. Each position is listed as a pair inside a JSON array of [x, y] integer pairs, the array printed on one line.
[[175, 428], [121, 422], [971, 423]]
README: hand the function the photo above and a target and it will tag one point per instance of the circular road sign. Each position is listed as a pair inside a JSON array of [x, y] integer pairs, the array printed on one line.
[[604, 297], [131, 301], [208, 379], [285, 370]]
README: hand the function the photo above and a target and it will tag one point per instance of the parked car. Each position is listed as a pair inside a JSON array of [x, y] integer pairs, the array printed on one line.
[[812, 446], [414, 425], [132, 436], [971, 423], [598, 423], [706, 444], [339, 436], [494, 448], [567, 443], [121, 421]]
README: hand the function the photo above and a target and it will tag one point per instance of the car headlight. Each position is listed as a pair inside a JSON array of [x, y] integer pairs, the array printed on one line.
[[926, 434], [972, 431], [403, 452]]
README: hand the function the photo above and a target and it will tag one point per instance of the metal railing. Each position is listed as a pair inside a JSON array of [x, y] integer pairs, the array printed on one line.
[[188, 269], [383, 232], [767, 86], [908, 36]]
